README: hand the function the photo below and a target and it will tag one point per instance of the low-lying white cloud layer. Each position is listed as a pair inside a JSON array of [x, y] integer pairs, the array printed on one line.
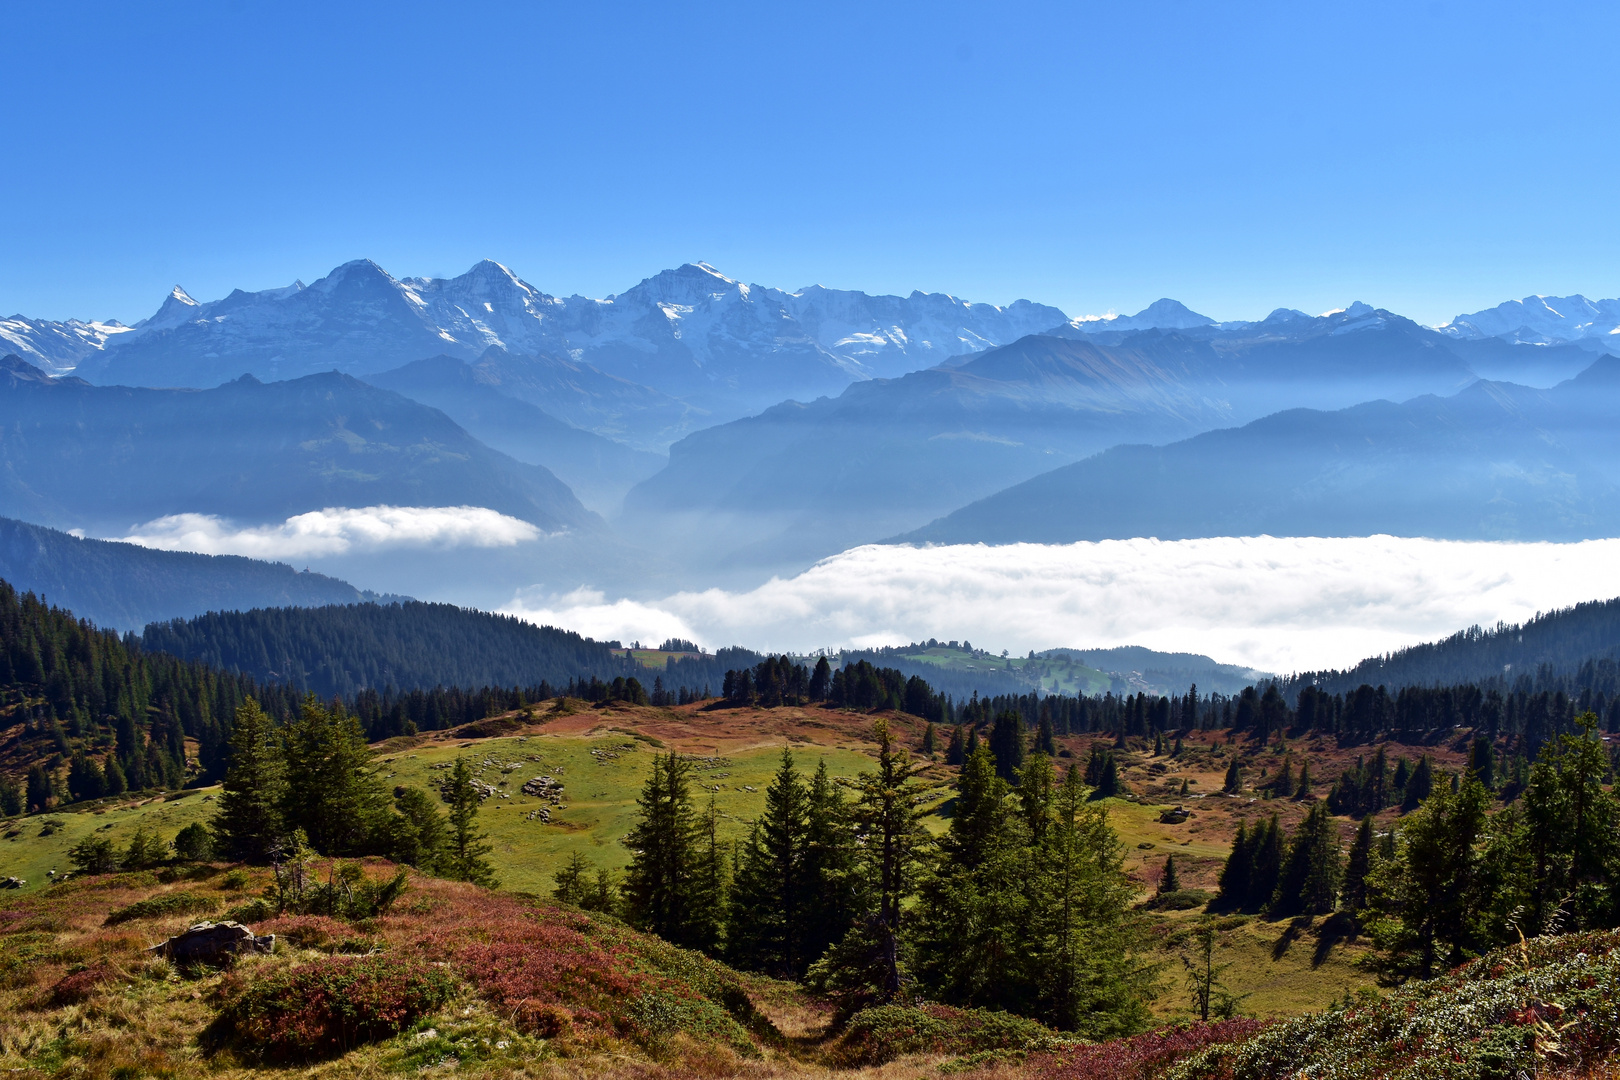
[[337, 530], [1279, 604]]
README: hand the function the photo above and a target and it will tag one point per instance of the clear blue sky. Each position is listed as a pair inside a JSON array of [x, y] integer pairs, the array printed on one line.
[[1428, 157]]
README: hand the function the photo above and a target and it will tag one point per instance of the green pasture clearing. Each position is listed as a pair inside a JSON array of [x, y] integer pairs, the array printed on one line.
[[29, 847]]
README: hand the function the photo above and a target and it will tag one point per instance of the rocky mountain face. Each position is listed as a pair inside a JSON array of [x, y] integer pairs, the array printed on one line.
[[723, 347], [1544, 320]]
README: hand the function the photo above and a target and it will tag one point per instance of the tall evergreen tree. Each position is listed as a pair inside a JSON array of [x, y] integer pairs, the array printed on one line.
[[1267, 864], [658, 885], [1418, 785], [1234, 881], [1078, 955], [248, 821], [1169, 880], [333, 792], [1045, 742], [1007, 744], [956, 749], [1234, 778], [1426, 899], [1308, 883], [466, 847], [1482, 761], [1353, 894], [767, 926], [832, 887]]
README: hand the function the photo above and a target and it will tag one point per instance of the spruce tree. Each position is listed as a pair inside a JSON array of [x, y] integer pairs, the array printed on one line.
[[1268, 856], [1419, 786], [247, 820], [1353, 894], [973, 909], [333, 792], [1234, 778], [1308, 881], [418, 836], [1234, 881], [1302, 786], [832, 886], [40, 789], [709, 888], [1035, 785], [1077, 948], [868, 964], [1045, 742], [571, 884], [766, 928], [1169, 882], [11, 796], [466, 847], [1283, 786], [658, 885], [1007, 744], [193, 843], [956, 749], [928, 739], [1482, 761]]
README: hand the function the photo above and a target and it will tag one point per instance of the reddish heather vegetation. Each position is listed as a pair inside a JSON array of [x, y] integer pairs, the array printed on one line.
[[1141, 1057]]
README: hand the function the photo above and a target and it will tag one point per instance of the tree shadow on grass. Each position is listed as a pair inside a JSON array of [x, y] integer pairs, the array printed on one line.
[[1340, 928], [1295, 930]]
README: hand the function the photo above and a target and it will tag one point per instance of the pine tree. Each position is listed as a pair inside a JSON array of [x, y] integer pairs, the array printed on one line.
[[467, 846], [766, 929], [11, 796], [831, 885], [248, 819], [114, 774], [40, 789], [956, 749], [1419, 786], [1353, 894], [1169, 882], [1035, 785], [1234, 882], [868, 963], [1283, 786], [821, 680], [1482, 761], [1007, 744], [1234, 778], [1302, 787], [1426, 899], [571, 884], [333, 792], [658, 885], [1308, 882], [193, 843], [145, 851], [1045, 742], [1077, 948], [1268, 856], [418, 836], [973, 910]]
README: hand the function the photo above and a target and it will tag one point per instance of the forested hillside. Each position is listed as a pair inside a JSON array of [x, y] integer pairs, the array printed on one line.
[[340, 650], [1580, 643], [125, 586]]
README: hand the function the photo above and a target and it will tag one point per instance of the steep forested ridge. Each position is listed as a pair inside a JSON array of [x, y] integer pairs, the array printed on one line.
[[343, 649], [126, 586], [1573, 641]]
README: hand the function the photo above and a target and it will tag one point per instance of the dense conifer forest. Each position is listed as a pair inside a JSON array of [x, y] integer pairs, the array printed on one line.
[[340, 650]]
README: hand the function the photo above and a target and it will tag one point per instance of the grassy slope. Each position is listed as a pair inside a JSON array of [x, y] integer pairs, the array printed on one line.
[[1280, 965]]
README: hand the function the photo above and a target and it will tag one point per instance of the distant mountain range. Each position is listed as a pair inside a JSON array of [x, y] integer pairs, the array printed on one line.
[[723, 347], [1496, 461], [805, 480], [124, 587], [104, 458]]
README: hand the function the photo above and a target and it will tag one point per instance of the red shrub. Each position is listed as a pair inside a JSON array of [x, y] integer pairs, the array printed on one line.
[[77, 986], [1140, 1057], [328, 1006]]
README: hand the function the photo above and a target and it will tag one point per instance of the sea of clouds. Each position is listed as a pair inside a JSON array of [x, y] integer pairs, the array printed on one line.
[[1278, 604], [337, 531]]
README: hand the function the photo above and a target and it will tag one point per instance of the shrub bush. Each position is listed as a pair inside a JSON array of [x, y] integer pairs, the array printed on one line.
[[77, 986], [327, 1007], [884, 1032], [1549, 1008], [162, 905], [1141, 1057]]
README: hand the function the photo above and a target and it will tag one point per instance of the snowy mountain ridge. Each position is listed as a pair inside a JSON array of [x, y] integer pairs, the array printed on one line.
[[1543, 320]]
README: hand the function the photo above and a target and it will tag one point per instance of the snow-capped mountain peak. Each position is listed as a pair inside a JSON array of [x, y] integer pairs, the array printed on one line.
[[1542, 320]]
